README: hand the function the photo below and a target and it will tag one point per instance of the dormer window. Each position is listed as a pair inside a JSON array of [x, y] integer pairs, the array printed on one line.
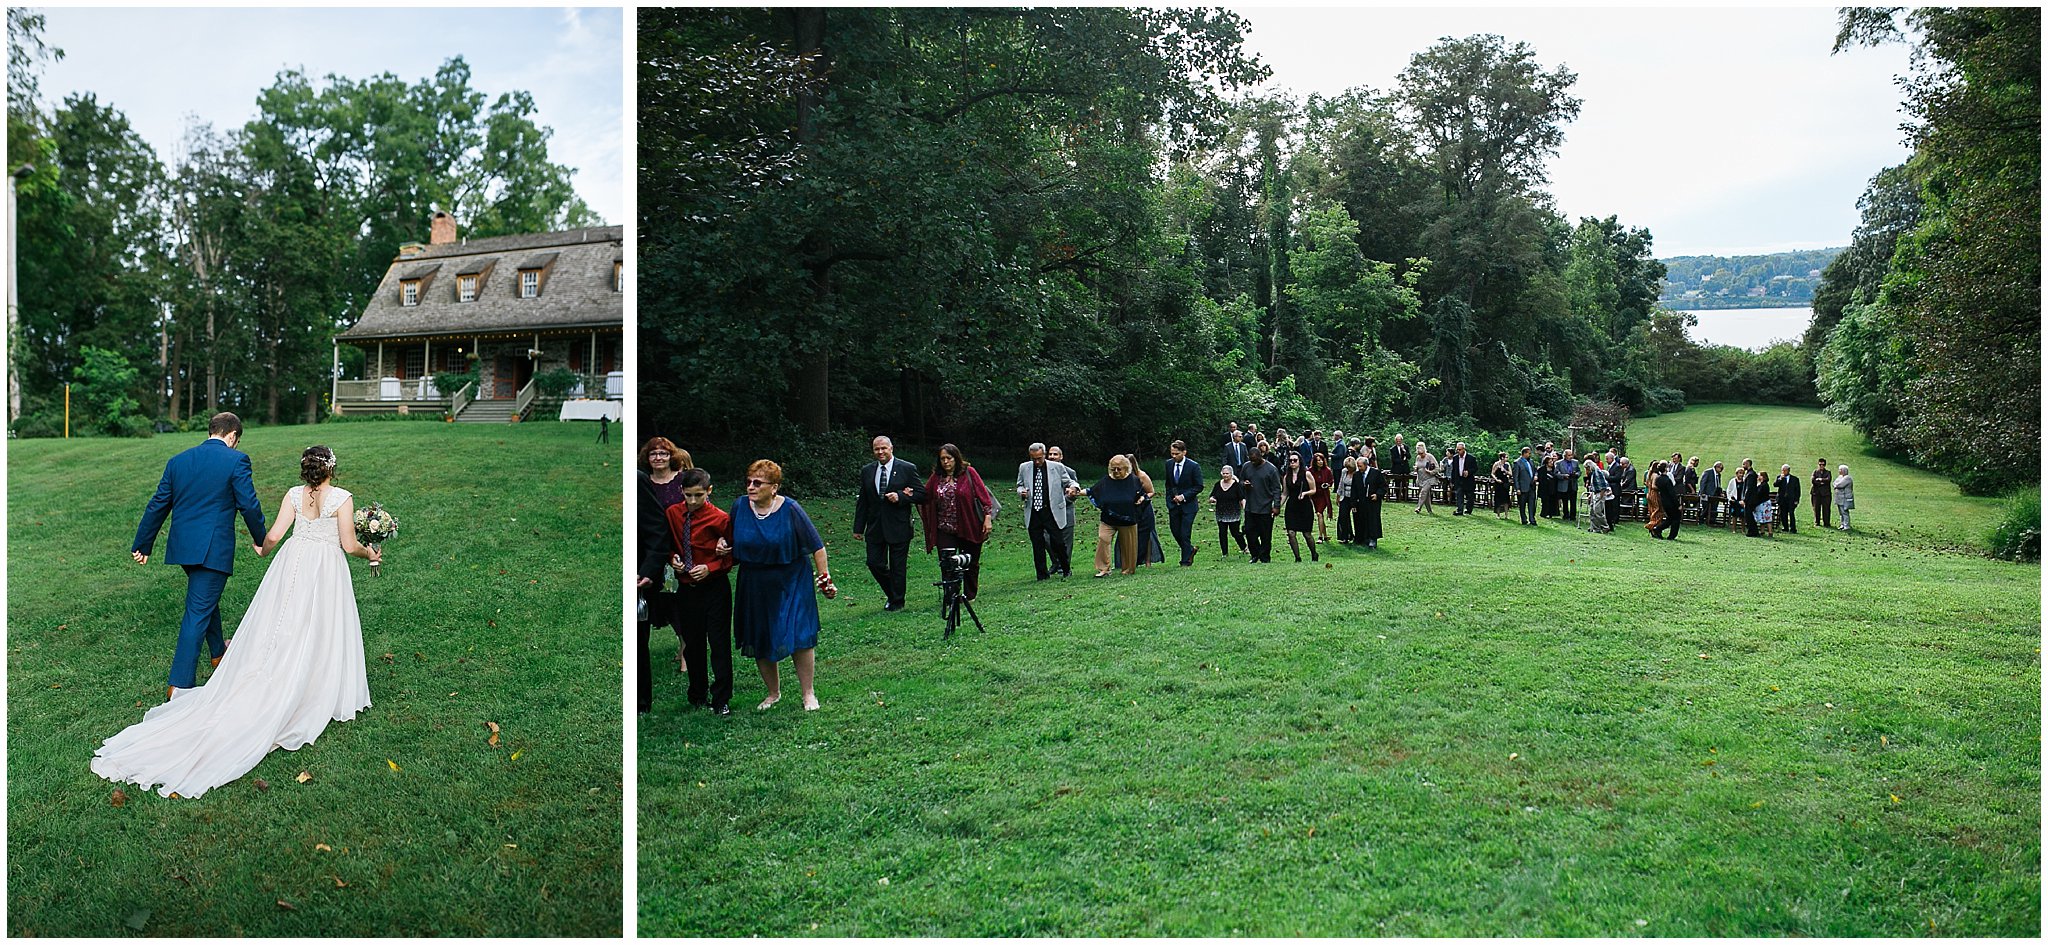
[[465, 288], [409, 292], [533, 275]]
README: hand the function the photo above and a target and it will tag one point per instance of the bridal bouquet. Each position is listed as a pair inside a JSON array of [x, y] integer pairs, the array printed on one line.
[[374, 526]]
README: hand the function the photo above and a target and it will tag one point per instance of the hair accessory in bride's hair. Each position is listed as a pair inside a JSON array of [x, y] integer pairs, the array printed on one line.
[[328, 462]]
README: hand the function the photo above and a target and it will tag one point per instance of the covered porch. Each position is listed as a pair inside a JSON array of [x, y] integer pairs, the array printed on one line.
[[501, 374]]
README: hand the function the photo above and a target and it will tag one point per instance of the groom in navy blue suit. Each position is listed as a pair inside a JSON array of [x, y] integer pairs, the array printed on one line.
[[201, 491]]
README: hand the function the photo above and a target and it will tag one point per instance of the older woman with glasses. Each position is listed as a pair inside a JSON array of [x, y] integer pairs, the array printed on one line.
[[775, 610], [1117, 496]]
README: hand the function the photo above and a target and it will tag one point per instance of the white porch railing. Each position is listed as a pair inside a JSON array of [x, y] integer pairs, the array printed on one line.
[[462, 399], [525, 399]]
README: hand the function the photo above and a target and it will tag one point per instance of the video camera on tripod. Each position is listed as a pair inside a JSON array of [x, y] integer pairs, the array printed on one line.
[[953, 566]]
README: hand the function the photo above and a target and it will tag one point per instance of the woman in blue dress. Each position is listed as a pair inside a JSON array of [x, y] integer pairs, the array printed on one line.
[[1149, 550], [775, 614]]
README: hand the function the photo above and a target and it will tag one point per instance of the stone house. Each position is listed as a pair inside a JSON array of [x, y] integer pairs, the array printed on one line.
[[504, 309]]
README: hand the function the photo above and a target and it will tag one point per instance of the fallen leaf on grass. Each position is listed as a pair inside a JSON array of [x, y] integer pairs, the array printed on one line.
[[516, 754], [493, 740], [1895, 798], [1513, 755], [388, 657], [1881, 740], [323, 848], [338, 884], [305, 776], [261, 784], [286, 906], [393, 764], [1311, 832], [120, 797]]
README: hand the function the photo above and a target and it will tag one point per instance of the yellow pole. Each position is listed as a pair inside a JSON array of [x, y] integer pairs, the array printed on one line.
[[67, 411]]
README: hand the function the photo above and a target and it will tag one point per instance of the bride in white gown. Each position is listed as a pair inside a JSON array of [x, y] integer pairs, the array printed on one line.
[[295, 663]]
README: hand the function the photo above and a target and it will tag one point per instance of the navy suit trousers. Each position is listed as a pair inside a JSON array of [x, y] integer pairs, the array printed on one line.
[[202, 620]]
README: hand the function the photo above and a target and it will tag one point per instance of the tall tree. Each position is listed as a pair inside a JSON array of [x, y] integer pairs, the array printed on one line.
[[1965, 286]]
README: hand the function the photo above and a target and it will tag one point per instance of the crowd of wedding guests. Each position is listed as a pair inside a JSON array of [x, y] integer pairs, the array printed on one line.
[[756, 566]]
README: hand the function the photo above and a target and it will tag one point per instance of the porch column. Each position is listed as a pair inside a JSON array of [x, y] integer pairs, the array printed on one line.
[[334, 380], [593, 358], [380, 360]]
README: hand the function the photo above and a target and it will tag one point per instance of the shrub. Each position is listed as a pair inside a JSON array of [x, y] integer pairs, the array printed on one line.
[[388, 417], [2018, 535], [450, 382], [555, 382], [38, 424], [131, 425], [813, 464]]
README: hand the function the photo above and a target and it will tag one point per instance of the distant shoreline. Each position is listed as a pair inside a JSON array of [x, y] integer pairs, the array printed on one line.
[[1698, 305]]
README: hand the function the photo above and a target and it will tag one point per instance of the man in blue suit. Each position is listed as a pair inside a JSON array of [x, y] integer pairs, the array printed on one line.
[[1525, 488], [202, 490], [1184, 497]]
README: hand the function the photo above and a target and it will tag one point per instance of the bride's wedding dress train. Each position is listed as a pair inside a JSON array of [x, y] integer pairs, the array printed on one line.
[[295, 663]]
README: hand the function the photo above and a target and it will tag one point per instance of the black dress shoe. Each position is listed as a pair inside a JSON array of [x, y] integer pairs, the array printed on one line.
[[721, 709], [893, 605]]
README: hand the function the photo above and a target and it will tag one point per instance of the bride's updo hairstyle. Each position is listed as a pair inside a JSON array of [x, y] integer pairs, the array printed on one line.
[[315, 465]]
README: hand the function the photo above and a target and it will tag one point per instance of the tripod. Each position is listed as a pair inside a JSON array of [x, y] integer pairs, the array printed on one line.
[[950, 578]]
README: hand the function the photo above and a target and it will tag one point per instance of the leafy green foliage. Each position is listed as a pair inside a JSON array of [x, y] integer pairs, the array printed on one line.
[[236, 266], [1776, 279], [2018, 535], [100, 395], [1962, 292]]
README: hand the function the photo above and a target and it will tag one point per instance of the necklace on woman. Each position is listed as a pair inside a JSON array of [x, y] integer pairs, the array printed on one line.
[[758, 514]]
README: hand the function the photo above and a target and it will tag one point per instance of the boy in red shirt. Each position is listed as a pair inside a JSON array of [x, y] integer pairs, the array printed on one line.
[[704, 602]]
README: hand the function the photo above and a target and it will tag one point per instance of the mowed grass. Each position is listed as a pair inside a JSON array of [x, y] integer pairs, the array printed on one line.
[[1480, 729], [498, 604]]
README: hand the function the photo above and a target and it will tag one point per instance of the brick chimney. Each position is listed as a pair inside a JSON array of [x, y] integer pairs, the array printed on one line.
[[442, 230]]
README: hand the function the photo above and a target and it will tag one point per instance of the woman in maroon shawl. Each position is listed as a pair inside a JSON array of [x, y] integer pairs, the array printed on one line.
[[958, 511]]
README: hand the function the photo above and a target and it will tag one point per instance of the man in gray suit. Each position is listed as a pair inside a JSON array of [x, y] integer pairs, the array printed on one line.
[[1525, 487], [1045, 486]]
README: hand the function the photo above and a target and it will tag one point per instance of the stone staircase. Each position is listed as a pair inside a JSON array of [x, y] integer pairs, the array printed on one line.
[[486, 411]]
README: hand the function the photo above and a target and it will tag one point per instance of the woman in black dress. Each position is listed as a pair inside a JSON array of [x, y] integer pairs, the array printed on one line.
[[1299, 486], [1369, 490], [1546, 485], [1503, 484]]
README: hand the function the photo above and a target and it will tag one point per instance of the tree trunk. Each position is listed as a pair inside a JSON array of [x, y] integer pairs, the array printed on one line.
[[811, 393], [312, 406]]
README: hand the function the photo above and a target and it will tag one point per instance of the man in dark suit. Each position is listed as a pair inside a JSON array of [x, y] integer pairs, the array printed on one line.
[[1710, 495], [202, 490], [1399, 461], [1236, 451], [1464, 480], [1183, 498], [1823, 486], [1525, 487], [889, 489], [1666, 487], [1787, 508]]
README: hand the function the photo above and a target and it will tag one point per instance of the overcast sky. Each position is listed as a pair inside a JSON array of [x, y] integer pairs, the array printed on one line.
[[159, 65], [1724, 131]]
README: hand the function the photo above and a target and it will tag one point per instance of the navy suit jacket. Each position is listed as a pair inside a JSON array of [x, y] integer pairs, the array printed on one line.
[[201, 491]]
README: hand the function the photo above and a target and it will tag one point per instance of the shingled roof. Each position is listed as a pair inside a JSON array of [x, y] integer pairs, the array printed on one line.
[[577, 292]]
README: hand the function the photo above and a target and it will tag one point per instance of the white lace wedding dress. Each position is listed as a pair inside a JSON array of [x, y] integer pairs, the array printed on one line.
[[295, 663]]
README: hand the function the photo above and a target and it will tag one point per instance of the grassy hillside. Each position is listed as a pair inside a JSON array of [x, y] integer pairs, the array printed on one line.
[[1480, 729], [497, 605]]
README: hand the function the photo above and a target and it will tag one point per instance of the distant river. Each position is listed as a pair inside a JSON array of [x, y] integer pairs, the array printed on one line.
[[1751, 328]]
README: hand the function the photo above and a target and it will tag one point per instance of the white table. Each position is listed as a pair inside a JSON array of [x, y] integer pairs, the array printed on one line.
[[592, 410]]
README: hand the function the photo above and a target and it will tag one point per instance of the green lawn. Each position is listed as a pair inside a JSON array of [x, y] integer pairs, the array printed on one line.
[[1481, 729], [497, 605]]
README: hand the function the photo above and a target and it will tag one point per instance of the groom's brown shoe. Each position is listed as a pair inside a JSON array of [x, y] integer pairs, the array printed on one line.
[[170, 692], [216, 662]]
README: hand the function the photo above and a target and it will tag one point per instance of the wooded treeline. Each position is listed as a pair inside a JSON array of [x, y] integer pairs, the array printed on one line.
[[170, 290], [997, 225], [1927, 330], [1773, 280]]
